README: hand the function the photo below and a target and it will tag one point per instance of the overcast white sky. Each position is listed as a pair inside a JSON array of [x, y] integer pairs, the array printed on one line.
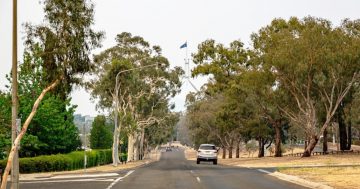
[[169, 23]]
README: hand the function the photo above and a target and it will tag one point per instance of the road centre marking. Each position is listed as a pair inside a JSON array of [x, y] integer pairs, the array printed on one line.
[[119, 179], [264, 171]]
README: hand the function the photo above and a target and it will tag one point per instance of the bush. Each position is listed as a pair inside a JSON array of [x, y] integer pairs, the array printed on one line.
[[356, 142], [62, 162]]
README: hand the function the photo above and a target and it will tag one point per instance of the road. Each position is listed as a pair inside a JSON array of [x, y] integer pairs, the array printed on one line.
[[173, 171]]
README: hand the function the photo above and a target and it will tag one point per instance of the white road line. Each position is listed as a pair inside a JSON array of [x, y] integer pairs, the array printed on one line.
[[86, 175], [191, 171], [119, 179], [264, 171], [198, 179], [64, 181]]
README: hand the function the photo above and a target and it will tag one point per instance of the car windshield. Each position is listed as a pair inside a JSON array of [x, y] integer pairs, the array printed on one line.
[[207, 147]]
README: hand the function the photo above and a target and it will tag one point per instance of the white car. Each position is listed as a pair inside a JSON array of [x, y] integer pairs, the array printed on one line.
[[207, 152]]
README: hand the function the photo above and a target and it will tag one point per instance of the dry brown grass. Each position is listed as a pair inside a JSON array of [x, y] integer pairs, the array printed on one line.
[[337, 177]]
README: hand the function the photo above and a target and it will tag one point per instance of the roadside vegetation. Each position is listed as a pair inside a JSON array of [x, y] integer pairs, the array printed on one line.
[[63, 162], [131, 81], [296, 84]]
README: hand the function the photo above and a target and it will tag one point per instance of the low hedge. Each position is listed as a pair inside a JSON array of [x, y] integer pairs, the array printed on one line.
[[63, 162]]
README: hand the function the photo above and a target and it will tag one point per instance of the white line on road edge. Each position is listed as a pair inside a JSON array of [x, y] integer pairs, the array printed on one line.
[[264, 171], [198, 179], [300, 181], [64, 181], [118, 179], [85, 176]]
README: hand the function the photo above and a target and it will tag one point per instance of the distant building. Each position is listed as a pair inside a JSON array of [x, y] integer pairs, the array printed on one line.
[[80, 121]]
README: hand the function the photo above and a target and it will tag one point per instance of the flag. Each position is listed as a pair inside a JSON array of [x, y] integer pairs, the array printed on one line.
[[183, 45]]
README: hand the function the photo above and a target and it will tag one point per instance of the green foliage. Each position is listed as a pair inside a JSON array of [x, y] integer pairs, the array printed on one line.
[[251, 147], [52, 129], [63, 162], [5, 124], [145, 85], [66, 40], [101, 136]]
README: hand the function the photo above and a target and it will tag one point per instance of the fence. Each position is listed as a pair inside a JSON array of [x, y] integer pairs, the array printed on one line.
[[328, 153]]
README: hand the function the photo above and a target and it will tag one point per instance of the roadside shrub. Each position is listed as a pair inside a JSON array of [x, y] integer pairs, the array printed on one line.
[[356, 142], [62, 162]]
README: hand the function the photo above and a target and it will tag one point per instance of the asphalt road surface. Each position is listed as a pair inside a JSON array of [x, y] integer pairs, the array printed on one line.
[[173, 171]]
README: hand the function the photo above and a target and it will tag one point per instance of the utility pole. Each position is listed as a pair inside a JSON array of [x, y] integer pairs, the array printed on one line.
[[14, 100]]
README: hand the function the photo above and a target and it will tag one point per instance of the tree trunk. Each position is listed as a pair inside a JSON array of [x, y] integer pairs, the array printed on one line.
[[115, 146], [278, 152], [23, 131], [223, 152], [349, 137], [230, 151], [237, 149], [325, 138], [136, 146], [310, 147], [131, 141], [142, 144], [261, 148], [342, 129]]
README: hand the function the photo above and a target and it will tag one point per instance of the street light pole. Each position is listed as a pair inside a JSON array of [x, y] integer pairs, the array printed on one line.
[[116, 98], [14, 101]]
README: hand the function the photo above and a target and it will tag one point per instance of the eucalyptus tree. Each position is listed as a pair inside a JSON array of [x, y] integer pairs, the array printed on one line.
[[263, 97], [201, 119], [137, 78], [223, 65], [314, 63], [66, 39]]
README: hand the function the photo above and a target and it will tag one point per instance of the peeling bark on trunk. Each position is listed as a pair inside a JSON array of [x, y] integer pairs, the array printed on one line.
[[278, 152], [130, 156], [115, 149], [23, 131], [310, 147]]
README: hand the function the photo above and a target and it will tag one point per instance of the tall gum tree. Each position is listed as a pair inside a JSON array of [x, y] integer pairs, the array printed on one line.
[[222, 64], [66, 39], [313, 63], [144, 83]]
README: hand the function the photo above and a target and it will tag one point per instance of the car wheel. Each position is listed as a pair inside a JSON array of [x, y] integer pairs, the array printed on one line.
[[215, 162]]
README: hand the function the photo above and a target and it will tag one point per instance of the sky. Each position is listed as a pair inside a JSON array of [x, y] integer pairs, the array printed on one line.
[[169, 23]]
